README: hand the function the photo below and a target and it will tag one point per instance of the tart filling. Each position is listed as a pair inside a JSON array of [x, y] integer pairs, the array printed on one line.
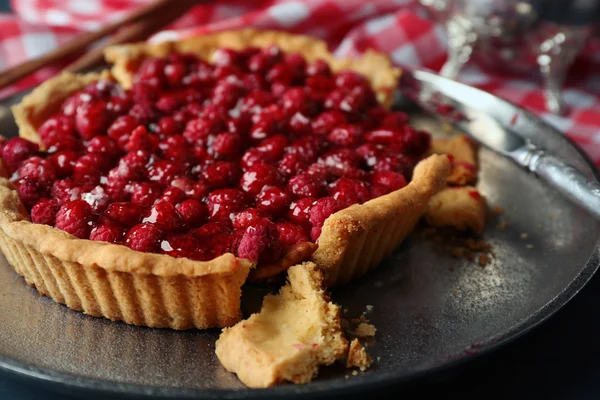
[[247, 155]]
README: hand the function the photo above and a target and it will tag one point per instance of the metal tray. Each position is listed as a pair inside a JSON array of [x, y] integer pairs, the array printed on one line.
[[431, 311]]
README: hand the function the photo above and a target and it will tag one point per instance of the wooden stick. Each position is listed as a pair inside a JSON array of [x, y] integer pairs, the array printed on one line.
[[82, 41], [135, 32]]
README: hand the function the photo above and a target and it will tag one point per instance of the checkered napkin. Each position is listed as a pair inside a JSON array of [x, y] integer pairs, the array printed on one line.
[[349, 27]]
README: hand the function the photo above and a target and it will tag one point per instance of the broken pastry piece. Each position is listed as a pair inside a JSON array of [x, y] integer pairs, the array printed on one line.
[[296, 331], [358, 356], [461, 207], [463, 156]]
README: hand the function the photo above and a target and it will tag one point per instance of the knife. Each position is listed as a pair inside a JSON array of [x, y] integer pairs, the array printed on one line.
[[502, 127]]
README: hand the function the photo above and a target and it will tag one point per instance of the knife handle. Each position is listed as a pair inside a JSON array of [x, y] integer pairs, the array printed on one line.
[[566, 179]]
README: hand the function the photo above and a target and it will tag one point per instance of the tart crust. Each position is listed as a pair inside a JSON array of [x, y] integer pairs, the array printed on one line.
[[156, 290]]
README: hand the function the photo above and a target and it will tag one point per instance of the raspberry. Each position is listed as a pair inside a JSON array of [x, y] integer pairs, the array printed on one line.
[[181, 245], [223, 57], [272, 149], [221, 203], [340, 161], [200, 128], [144, 237], [240, 125], [221, 174], [145, 193], [322, 209], [17, 150], [88, 169], [97, 198], [395, 119], [168, 126], [193, 189], [358, 99], [92, 119], [163, 172], [55, 128], [173, 195], [76, 218], [38, 170], [30, 192], [227, 145], [290, 164], [126, 214], [392, 180], [265, 125], [192, 211], [140, 139], [345, 135], [244, 218], [260, 242], [258, 176], [290, 234], [273, 200], [65, 190], [164, 215], [326, 121], [318, 67], [121, 129], [320, 86], [347, 191], [297, 65], [416, 142], [299, 211], [44, 212], [296, 100], [105, 146], [300, 125], [349, 79], [176, 148], [168, 103], [281, 73], [305, 185], [108, 231], [255, 101]]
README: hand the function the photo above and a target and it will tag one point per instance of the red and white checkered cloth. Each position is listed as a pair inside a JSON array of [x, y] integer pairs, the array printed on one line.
[[348, 26]]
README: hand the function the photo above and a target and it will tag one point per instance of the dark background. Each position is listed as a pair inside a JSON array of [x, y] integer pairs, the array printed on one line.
[[560, 359]]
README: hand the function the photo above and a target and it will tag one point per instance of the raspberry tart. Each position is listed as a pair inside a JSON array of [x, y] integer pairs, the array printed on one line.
[[152, 192]]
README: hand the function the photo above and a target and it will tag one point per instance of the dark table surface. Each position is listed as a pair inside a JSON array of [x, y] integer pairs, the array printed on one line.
[[559, 359]]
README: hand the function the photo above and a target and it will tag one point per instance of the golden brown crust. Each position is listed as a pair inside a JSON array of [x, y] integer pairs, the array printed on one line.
[[376, 66], [296, 331], [463, 152], [357, 238], [458, 207]]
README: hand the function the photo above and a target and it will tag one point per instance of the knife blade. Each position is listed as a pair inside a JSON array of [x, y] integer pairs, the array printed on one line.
[[502, 127]]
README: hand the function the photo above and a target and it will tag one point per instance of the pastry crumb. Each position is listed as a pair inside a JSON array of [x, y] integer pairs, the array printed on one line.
[[369, 308], [358, 356], [530, 246], [354, 373], [502, 225], [524, 235], [378, 359], [364, 330]]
